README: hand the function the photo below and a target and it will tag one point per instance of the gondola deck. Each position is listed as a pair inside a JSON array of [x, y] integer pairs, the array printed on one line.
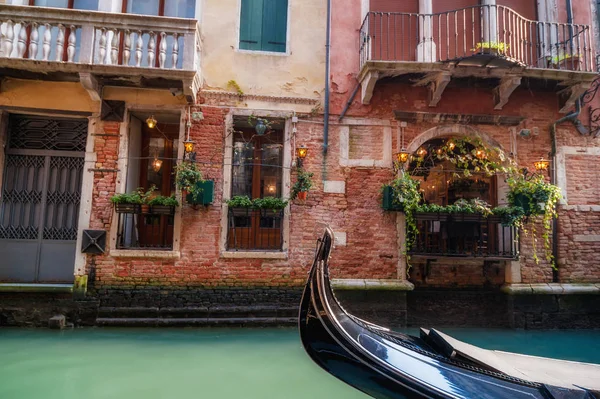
[[386, 365]]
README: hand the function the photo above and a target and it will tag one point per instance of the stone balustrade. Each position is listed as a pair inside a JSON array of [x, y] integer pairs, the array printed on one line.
[[113, 43]]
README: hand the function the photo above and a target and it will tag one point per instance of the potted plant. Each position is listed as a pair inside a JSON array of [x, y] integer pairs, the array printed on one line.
[[404, 193], [564, 61], [161, 205], [145, 196], [303, 184], [491, 48], [127, 202]]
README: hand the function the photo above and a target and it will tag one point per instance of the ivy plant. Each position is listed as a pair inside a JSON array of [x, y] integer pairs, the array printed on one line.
[[187, 177]]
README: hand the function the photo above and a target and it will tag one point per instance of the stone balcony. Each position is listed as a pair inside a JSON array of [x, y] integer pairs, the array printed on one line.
[[484, 42], [100, 49]]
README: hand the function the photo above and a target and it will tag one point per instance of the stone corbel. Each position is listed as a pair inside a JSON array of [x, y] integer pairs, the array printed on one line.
[[570, 94], [90, 83], [436, 83], [191, 88], [368, 85], [502, 92]]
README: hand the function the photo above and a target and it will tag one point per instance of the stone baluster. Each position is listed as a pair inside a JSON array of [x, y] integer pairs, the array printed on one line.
[[71, 43], [162, 50], [60, 42], [127, 46], [151, 49], [22, 42], [114, 50], [138, 49], [34, 37], [175, 54], [102, 45], [8, 38], [46, 42]]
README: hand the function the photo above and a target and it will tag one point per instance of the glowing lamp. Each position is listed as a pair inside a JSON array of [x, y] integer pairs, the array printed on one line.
[[402, 156], [151, 122], [451, 145], [480, 154], [188, 145], [156, 164], [541, 165], [422, 152], [302, 151]]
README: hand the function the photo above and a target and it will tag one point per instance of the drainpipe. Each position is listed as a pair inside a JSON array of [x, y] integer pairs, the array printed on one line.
[[572, 117], [327, 79]]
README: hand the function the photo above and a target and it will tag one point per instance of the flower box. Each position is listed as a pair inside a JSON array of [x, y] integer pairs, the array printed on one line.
[[467, 217], [435, 216], [206, 194], [128, 208], [523, 201]]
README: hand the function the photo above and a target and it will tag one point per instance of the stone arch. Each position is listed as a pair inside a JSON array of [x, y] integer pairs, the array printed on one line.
[[450, 130]]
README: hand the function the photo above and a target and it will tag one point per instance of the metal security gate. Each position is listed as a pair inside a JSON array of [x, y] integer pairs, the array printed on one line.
[[41, 190]]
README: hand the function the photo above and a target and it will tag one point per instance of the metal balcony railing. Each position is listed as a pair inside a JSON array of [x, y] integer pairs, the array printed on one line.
[[474, 31], [255, 229], [464, 235], [144, 231]]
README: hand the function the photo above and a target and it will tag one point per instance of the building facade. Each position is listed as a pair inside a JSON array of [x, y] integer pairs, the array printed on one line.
[[99, 97]]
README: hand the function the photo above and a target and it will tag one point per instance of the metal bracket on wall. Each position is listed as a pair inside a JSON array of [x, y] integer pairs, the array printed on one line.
[[587, 98]]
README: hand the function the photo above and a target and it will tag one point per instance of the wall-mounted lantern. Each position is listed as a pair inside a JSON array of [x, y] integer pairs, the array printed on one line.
[[301, 153], [541, 165], [402, 156]]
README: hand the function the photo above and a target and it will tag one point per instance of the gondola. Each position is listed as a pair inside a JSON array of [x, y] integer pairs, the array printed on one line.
[[390, 365]]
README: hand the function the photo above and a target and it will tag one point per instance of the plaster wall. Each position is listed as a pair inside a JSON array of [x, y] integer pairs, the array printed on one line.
[[63, 96], [299, 72]]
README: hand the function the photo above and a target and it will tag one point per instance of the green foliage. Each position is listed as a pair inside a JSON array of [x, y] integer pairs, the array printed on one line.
[[232, 84], [126, 198], [541, 198], [243, 201], [269, 203], [463, 155], [499, 46], [303, 182], [474, 206], [145, 196], [563, 57], [165, 201], [187, 175], [510, 215], [240, 201]]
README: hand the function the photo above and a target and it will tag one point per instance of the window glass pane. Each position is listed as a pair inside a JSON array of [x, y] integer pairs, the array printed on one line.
[[270, 171], [91, 5], [156, 154], [180, 8], [243, 155], [146, 7], [52, 3]]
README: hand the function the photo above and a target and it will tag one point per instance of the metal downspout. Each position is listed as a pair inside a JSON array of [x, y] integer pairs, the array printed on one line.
[[553, 178], [327, 80]]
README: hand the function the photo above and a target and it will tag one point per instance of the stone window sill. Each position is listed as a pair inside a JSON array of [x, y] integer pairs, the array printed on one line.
[[253, 255], [131, 253]]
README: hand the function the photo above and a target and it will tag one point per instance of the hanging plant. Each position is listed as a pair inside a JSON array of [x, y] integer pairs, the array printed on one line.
[[303, 183], [187, 175], [537, 198]]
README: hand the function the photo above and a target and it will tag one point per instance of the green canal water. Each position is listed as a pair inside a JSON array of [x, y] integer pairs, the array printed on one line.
[[210, 363]]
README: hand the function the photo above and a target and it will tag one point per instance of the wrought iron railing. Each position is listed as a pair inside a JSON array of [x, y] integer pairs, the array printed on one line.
[[464, 235], [255, 229], [471, 31], [145, 231]]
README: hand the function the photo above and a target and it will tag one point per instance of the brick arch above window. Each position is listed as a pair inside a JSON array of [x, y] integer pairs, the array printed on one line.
[[451, 130]]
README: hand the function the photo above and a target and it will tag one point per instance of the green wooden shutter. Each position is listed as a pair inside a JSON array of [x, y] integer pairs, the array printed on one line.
[[251, 24], [274, 25]]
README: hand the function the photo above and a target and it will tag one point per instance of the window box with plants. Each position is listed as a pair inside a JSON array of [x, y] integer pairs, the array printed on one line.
[[240, 205], [161, 205], [491, 48], [302, 185], [401, 194], [127, 202]]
